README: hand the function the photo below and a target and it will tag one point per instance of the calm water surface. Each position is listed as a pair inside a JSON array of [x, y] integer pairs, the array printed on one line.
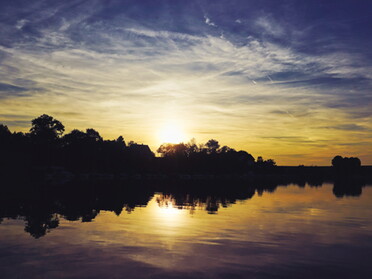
[[292, 233]]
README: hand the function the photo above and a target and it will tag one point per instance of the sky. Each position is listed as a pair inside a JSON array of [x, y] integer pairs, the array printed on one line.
[[288, 80]]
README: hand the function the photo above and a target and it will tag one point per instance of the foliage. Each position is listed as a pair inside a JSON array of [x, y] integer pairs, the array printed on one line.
[[208, 157], [47, 128], [346, 164], [87, 151]]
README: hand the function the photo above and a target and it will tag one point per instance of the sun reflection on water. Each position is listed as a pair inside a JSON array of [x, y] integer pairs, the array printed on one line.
[[167, 213], [294, 225]]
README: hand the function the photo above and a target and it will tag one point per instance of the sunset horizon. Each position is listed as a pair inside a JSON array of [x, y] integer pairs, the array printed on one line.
[[288, 81], [173, 135], [188, 139]]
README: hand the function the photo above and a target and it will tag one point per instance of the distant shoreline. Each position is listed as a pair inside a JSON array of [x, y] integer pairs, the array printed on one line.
[[285, 174]]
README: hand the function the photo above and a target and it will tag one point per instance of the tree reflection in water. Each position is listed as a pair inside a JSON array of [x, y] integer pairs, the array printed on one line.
[[42, 207]]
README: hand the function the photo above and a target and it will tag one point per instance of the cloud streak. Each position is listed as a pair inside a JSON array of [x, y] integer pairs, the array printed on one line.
[[209, 22], [121, 74]]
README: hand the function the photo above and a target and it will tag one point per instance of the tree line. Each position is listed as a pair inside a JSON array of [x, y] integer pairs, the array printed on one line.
[[46, 145], [43, 209]]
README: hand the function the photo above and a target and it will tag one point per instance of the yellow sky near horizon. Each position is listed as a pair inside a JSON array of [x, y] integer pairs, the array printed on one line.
[[290, 139], [205, 87]]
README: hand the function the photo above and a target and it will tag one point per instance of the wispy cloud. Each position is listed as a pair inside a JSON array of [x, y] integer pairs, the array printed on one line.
[[21, 23], [347, 127], [125, 74], [209, 22], [162, 34], [270, 26]]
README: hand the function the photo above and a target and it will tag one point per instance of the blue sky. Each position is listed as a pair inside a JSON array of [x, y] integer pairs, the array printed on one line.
[[289, 80]]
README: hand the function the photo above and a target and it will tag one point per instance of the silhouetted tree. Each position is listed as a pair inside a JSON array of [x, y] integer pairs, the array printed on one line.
[[212, 146], [270, 163], [208, 158], [120, 140], [172, 150], [346, 165], [5, 145], [93, 135], [337, 161], [74, 137], [226, 149], [265, 166], [131, 143], [191, 147], [265, 163], [5, 137], [45, 133], [4, 131], [46, 128]]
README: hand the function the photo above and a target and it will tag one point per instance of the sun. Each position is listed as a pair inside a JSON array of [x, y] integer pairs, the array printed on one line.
[[171, 133]]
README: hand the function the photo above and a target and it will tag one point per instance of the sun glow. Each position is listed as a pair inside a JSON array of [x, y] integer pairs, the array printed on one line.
[[167, 214], [172, 133]]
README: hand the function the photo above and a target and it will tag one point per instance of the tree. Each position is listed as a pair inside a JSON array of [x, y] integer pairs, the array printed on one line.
[[245, 156], [93, 135], [171, 150], [260, 160], [355, 162], [46, 128], [345, 165], [191, 148], [74, 137], [5, 134], [120, 140], [4, 131], [269, 163], [225, 149], [337, 161], [131, 143], [212, 146]]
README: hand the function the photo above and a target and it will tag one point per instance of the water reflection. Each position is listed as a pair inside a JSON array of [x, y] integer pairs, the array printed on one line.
[[43, 207], [347, 188], [208, 201], [111, 231]]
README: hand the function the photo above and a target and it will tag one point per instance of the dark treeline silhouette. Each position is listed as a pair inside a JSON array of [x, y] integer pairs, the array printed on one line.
[[42, 205], [78, 151], [47, 146], [204, 158], [47, 175], [47, 153]]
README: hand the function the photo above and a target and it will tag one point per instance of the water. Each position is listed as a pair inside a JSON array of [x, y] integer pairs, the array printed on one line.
[[294, 232]]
